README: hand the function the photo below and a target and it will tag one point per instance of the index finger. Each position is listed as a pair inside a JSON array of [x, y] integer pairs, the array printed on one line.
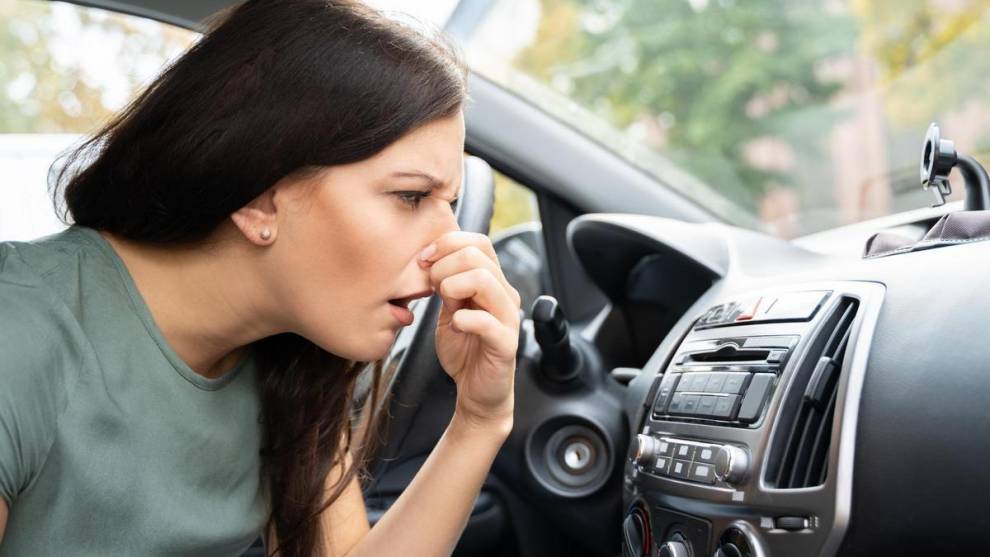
[[455, 240]]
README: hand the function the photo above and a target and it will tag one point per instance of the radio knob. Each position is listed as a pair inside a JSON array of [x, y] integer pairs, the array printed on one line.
[[731, 464], [673, 549], [646, 450]]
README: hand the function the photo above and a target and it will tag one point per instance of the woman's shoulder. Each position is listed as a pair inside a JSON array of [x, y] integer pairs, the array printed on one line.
[[40, 353], [35, 260], [38, 329]]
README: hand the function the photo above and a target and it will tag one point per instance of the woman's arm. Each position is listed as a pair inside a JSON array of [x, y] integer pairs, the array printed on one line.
[[444, 491], [429, 516], [344, 522], [3, 518], [477, 337]]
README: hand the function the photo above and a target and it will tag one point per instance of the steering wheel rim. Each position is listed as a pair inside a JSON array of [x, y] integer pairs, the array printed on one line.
[[412, 363]]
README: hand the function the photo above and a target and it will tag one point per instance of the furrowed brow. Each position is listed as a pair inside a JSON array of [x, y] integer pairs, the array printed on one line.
[[433, 181]]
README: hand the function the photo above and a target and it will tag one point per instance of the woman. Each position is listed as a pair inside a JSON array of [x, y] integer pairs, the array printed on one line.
[[177, 367]]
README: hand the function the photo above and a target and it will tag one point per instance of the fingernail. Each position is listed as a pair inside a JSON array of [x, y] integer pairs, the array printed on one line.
[[427, 252]]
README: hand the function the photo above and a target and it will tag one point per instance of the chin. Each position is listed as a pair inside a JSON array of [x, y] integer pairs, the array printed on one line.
[[369, 351], [359, 345]]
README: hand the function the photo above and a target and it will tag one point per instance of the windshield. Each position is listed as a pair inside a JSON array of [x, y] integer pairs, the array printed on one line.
[[792, 116]]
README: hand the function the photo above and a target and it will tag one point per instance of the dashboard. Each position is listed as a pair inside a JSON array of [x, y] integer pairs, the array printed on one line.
[[797, 403]]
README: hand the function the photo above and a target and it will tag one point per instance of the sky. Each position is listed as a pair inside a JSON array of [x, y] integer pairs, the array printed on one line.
[[433, 11]]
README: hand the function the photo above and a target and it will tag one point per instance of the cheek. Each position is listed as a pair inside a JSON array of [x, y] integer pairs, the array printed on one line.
[[355, 259], [360, 264]]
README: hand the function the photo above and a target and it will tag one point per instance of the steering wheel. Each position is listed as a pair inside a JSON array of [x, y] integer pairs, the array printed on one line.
[[412, 361]]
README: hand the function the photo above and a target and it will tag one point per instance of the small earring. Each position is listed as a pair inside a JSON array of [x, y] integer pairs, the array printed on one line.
[[266, 234]]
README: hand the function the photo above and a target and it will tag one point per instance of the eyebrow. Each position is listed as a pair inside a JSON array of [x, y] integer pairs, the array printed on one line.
[[434, 182]]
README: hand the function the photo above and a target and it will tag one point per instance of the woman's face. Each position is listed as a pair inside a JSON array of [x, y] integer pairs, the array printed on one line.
[[348, 239]]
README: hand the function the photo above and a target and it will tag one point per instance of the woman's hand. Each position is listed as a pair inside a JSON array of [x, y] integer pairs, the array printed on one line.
[[478, 327]]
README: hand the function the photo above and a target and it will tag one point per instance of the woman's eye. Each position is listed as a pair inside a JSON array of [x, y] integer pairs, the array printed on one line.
[[412, 198]]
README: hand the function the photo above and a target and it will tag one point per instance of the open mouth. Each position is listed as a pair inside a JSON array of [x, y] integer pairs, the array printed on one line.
[[405, 301]]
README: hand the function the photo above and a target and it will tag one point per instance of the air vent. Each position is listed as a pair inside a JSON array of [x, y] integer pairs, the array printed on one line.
[[799, 454]]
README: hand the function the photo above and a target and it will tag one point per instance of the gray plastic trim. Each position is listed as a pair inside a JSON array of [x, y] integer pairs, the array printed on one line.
[[183, 13]]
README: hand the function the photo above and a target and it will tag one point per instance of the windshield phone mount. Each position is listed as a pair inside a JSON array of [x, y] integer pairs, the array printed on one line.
[[938, 158]]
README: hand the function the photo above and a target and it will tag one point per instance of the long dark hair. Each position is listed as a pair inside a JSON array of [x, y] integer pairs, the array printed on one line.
[[274, 88]]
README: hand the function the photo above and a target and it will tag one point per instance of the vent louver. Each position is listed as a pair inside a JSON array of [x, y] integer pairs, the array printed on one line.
[[799, 453]]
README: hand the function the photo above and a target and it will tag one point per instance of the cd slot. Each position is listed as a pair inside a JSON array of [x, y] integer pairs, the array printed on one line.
[[729, 354]]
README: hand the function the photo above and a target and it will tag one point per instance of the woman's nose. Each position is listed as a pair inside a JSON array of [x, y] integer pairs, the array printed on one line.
[[444, 225], [448, 223]]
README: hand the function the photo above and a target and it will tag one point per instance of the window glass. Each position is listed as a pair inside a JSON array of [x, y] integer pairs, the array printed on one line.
[[518, 239], [514, 204], [64, 70], [789, 116]]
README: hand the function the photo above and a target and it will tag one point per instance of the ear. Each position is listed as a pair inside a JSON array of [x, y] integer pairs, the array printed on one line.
[[258, 220]]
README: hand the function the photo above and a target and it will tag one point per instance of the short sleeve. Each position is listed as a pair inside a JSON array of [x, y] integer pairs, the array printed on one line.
[[32, 378]]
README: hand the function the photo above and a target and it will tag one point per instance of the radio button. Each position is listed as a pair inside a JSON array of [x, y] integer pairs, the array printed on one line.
[[662, 465], [680, 469], [716, 382], [734, 383], [724, 406], [696, 382], [665, 448], [706, 405], [756, 394], [665, 391], [683, 451], [685, 383], [701, 472], [706, 454], [677, 404], [690, 404]]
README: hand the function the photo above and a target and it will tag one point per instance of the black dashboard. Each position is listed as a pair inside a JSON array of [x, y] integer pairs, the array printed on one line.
[[796, 403]]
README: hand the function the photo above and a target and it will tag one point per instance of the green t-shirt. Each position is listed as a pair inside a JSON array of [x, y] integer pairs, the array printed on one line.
[[109, 443]]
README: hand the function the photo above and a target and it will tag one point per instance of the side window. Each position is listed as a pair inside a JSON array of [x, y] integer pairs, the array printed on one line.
[[64, 70], [518, 239]]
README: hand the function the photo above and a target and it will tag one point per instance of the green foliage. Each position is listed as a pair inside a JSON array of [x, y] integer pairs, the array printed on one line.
[[930, 55], [710, 75]]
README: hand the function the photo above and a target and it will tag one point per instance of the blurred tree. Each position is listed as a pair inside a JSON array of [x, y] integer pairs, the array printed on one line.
[[66, 69], [927, 54], [704, 77]]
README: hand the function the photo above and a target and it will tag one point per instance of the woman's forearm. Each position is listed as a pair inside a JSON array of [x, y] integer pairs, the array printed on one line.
[[429, 516]]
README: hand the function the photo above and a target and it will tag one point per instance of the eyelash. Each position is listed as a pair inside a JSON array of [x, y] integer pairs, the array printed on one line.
[[413, 198]]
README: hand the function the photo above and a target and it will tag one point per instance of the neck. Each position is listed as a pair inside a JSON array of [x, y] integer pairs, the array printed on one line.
[[207, 300]]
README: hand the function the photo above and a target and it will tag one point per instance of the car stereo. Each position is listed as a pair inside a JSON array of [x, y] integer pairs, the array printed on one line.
[[727, 380]]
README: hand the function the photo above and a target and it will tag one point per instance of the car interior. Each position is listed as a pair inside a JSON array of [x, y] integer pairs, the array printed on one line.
[[692, 386]]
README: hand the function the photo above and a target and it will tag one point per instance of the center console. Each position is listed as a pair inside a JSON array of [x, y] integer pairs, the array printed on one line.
[[745, 448]]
